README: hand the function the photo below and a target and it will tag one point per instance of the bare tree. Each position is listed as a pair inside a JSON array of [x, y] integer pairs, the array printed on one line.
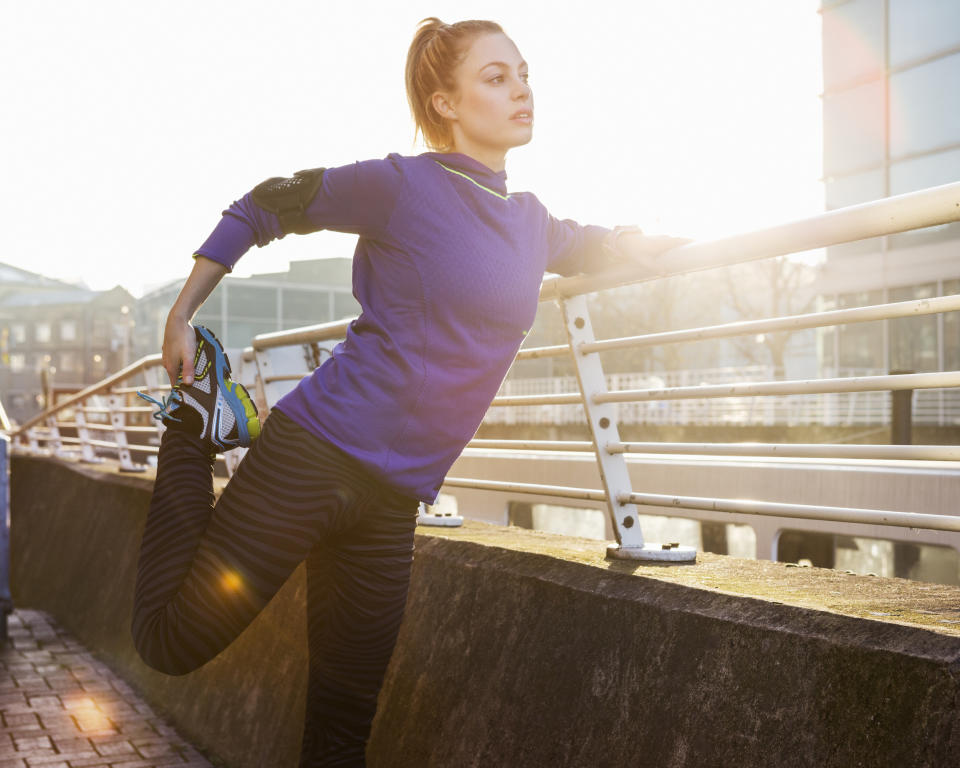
[[661, 305], [769, 288]]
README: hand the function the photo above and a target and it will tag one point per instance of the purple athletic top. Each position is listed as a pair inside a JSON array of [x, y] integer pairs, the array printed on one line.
[[447, 270]]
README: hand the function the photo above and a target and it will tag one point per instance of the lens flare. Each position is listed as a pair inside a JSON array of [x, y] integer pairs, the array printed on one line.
[[231, 581]]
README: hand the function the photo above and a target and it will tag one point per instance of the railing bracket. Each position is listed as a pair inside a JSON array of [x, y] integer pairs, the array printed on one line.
[[446, 519], [664, 553]]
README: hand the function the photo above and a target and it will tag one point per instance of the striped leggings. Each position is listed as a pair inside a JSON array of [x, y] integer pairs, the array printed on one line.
[[207, 569]]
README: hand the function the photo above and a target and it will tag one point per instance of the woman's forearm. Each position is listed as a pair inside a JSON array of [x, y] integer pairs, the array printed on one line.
[[204, 277]]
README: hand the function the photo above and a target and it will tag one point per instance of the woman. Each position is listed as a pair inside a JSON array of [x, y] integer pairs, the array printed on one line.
[[447, 270]]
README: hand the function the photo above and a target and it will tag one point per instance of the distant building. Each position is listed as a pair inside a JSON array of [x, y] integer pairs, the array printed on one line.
[[891, 118], [311, 292], [67, 334]]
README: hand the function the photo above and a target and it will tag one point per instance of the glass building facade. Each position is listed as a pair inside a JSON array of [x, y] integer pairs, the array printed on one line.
[[891, 112]]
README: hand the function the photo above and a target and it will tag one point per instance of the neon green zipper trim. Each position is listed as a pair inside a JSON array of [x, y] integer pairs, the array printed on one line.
[[497, 194]]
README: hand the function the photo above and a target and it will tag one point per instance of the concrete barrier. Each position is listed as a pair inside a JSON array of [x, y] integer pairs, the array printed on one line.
[[526, 649]]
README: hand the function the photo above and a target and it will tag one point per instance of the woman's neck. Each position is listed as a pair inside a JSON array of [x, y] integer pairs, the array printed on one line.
[[495, 160]]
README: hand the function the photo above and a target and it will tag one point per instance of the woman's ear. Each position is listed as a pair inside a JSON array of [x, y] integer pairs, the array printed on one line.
[[441, 103]]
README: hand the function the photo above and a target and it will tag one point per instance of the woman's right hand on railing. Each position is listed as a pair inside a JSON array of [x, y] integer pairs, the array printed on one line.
[[179, 348]]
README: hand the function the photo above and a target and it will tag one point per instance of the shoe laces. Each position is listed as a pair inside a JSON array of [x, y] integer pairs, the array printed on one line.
[[171, 400]]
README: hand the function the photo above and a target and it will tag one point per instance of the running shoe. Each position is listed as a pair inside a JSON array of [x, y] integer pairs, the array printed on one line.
[[214, 408]]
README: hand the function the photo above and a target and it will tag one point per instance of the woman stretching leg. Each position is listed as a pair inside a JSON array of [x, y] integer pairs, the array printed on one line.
[[206, 570], [447, 271]]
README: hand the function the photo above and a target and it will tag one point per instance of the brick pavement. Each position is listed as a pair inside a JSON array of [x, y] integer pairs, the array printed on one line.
[[62, 708]]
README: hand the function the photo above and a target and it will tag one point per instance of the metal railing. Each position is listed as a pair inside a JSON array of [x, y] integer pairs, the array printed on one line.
[[108, 420], [276, 361]]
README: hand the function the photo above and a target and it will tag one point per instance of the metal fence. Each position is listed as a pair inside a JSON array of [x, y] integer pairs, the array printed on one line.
[[104, 418]]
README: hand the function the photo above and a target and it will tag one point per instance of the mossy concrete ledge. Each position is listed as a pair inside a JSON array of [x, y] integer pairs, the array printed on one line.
[[522, 650]]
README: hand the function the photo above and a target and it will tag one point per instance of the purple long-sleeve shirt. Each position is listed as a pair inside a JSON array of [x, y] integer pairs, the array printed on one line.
[[447, 270]]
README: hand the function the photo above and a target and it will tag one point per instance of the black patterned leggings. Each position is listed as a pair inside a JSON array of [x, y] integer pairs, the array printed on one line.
[[206, 570]]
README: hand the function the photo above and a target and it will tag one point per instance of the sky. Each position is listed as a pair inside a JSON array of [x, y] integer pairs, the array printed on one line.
[[127, 126]]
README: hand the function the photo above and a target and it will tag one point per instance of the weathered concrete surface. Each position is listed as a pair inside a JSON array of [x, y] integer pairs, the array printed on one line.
[[562, 659], [527, 649]]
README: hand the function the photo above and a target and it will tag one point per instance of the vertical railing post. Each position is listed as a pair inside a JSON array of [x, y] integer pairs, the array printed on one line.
[[276, 364], [232, 459], [153, 376], [118, 420], [602, 419], [87, 454], [901, 414], [54, 443]]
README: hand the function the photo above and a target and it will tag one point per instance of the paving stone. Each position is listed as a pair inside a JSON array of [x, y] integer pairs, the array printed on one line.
[[115, 748], [96, 684], [135, 729], [40, 703], [63, 708], [23, 720], [24, 743]]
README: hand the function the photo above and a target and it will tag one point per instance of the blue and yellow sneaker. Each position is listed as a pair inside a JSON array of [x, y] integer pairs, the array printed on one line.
[[214, 408]]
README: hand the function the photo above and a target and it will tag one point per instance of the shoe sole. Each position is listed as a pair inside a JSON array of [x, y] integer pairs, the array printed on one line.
[[234, 395]]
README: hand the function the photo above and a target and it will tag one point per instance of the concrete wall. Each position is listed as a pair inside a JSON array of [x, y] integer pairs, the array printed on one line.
[[524, 649]]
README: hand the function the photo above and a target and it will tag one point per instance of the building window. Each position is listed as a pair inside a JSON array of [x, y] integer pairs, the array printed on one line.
[[852, 42], [853, 122], [951, 330], [923, 172], [18, 362], [921, 27], [860, 344], [252, 301], [913, 340], [68, 362], [18, 332], [42, 332], [844, 191], [68, 330], [923, 116], [344, 305], [304, 307]]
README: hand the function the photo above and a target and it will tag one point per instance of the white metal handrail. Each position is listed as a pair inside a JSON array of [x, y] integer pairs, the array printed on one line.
[[798, 450], [890, 382], [940, 407], [100, 388], [799, 511], [781, 450], [742, 506], [912, 308], [888, 216]]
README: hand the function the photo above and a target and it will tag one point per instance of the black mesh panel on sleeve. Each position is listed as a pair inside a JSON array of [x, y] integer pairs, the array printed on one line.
[[288, 198]]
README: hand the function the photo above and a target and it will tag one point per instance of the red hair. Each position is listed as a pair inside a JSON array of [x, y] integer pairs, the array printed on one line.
[[436, 51]]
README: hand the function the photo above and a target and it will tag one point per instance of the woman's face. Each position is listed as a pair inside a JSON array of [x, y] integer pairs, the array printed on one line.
[[492, 109]]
